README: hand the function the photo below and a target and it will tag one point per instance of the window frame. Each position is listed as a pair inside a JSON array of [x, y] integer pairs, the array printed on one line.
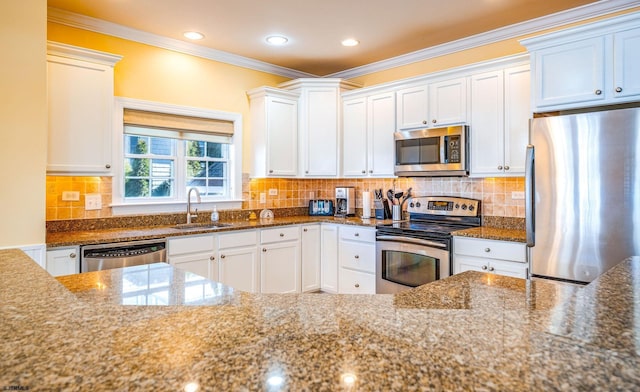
[[120, 206]]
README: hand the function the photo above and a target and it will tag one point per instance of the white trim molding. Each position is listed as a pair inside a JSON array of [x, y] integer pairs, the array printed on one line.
[[558, 19]]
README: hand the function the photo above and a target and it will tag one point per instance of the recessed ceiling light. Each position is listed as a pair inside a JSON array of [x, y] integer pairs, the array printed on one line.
[[350, 42], [277, 40], [194, 35]]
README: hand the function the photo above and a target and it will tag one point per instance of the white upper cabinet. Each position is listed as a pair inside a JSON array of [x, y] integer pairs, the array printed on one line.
[[413, 110], [448, 102], [80, 101], [369, 124], [588, 65], [499, 122], [274, 132]]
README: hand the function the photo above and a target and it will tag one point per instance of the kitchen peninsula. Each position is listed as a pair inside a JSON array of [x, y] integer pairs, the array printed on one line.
[[471, 331]]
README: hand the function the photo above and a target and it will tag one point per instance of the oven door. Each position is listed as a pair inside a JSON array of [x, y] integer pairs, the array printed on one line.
[[403, 263]]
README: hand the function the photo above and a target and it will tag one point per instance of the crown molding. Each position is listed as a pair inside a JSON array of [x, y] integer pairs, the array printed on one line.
[[83, 22], [558, 19]]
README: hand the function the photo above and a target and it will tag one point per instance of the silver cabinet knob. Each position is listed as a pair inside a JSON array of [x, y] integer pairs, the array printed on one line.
[[370, 171], [484, 267], [424, 121], [499, 167], [307, 172], [264, 249], [598, 92], [506, 168], [212, 258], [491, 269], [356, 256], [305, 230], [434, 121], [357, 234], [281, 234], [108, 166], [222, 256], [618, 89], [487, 250], [270, 171], [72, 255], [357, 285], [364, 172]]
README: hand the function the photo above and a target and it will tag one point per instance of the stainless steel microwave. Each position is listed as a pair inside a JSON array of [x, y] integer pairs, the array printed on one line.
[[432, 152]]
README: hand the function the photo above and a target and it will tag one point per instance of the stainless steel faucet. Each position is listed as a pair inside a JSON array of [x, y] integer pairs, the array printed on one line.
[[189, 213]]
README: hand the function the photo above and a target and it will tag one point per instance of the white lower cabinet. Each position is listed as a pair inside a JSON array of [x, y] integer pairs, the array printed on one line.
[[496, 257], [280, 260], [238, 263], [63, 261], [329, 258], [357, 260], [310, 257], [196, 254]]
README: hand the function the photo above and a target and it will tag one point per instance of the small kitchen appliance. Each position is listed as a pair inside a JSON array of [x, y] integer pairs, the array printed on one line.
[[345, 201], [417, 251], [321, 207]]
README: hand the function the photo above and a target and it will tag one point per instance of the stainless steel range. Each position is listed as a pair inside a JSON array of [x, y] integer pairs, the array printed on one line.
[[418, 251]]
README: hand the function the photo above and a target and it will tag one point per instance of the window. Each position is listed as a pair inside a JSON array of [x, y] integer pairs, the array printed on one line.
[[166, 150]]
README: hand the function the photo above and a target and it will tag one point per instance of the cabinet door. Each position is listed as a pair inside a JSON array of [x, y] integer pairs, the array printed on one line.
[[282, 136], [486, 133], [329, 256], [311, 257], [280, 268], [626, 59], [448, 102], [63, 261], [381, 126], [412, 111], [238, 268], [80, 100], [354, 137], [517, 112], [202, 264], [320, 132], [570, 73]]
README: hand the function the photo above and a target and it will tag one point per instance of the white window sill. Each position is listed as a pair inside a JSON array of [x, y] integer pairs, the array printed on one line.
[[172, 206]]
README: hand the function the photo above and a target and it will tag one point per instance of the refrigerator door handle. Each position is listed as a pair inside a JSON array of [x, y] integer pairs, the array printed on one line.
[[529, 195]]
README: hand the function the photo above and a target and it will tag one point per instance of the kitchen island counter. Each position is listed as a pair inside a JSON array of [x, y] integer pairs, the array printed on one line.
[[469, 331]]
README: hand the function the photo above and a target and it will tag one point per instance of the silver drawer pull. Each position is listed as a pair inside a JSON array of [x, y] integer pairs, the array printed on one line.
[[484, 267], [72, 256], [491, 268], [264, 249], [487, 250], [212, 258], [357, 234], [281, 234], [222, 256], [357, 257], [357, 285]]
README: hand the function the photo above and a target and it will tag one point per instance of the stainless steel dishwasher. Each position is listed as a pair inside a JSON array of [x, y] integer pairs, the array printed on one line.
[[122, 254]]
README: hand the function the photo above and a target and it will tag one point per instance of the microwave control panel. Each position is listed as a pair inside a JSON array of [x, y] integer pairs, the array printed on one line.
[[453, 149]]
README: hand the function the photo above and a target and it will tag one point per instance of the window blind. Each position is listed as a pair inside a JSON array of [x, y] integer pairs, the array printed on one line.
[[140, 122]]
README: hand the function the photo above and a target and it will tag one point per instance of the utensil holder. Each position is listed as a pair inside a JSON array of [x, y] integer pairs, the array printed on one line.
[[396, 212]]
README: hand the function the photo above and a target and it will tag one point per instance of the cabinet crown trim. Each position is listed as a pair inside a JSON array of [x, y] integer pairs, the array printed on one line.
[[78, 53]]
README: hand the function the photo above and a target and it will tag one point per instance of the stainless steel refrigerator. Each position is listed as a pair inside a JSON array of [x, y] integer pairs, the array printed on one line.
[[582, 193]]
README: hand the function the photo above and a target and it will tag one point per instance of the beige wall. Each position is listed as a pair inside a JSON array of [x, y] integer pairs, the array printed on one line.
[[23, 122]]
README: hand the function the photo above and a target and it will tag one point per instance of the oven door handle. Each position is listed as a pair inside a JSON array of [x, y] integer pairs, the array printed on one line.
[[410, 240]]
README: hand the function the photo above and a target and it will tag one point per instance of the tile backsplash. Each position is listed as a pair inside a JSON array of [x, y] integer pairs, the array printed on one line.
[[495, 193]]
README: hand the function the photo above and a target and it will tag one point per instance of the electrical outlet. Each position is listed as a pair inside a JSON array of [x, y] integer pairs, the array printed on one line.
[[263, 197], [70, 196], [312, 195], [92, 201], [515, 195], [273, 192]]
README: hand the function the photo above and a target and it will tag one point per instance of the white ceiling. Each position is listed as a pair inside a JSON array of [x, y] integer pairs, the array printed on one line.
[[384, 28]]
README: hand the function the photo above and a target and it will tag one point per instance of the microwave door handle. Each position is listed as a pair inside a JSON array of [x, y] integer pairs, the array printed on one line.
[[443, 149]]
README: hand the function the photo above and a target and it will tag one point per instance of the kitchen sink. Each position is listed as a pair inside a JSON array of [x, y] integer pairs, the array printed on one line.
[[209, 225]]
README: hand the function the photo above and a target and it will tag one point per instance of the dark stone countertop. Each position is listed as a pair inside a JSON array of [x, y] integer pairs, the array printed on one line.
[[471, 331]]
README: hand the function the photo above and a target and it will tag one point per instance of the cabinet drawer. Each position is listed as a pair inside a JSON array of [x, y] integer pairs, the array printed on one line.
[[357, 233], [356, 282], [279, 234], [191, 244], [238, 239], [491, 249], [358, 256]]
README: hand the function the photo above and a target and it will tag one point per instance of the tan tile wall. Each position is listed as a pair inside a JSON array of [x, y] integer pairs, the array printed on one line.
[[495, 193]]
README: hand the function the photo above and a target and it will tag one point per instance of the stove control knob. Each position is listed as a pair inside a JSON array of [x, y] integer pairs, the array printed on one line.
[[464, 206], [411, 205], [418, 204], [471, 208], [457, 206]]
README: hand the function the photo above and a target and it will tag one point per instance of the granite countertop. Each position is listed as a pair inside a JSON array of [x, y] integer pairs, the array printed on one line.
[[100, 236], [493, 233], [471, 331]]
